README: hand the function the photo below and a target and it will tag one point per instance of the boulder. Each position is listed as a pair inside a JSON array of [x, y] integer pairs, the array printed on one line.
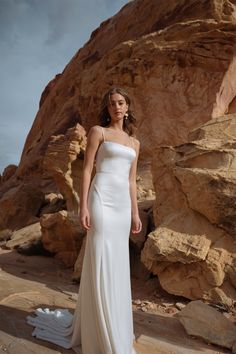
[[26, 236], [203, 321], [19, 206], [54, 202], [5, 235], [8, 172], [62, 235]]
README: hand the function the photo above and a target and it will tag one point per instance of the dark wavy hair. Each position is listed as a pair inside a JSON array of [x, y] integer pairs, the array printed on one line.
[[129, 124]]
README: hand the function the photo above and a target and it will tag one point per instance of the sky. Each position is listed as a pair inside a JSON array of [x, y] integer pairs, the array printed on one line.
[[37, 39]]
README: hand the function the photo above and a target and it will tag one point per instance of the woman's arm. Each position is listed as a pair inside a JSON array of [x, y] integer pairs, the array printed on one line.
[[136, 222], [93, 140]]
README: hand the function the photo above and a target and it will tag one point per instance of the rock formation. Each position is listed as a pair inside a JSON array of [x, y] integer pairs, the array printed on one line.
[[20, 206], [203, 321], [8, 172], [193, 249], [30, 233], [172, 60], [62, 162], [62, 235], [176, 61]]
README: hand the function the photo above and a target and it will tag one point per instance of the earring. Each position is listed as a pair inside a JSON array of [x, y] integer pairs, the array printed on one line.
[[126, 115]]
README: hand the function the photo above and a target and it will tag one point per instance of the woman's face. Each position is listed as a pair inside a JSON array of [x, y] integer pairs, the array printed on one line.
[[117, 107]]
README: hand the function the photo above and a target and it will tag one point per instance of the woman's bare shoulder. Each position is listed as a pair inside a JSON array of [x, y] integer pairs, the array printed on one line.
[[95, 131], [136, 142], [95, 128]]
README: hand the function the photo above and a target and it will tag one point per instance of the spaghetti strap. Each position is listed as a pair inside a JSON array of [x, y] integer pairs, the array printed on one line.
[[103, 134]]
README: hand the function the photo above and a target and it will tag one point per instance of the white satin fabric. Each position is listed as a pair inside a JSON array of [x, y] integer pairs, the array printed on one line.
[[103, 321]]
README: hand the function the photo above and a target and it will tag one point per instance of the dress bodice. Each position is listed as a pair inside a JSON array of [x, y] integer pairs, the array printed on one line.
[[113, 157]]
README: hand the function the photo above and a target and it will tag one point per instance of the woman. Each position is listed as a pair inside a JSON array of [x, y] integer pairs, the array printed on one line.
[[102, 322]]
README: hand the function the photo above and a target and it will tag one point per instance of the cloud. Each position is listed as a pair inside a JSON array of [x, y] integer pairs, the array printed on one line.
[[37, 40]]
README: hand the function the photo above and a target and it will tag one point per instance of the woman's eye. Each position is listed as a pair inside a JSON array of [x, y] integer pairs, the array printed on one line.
[[113, 104]]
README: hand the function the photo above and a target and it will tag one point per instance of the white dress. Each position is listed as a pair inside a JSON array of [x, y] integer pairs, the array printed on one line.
[[103, 321]]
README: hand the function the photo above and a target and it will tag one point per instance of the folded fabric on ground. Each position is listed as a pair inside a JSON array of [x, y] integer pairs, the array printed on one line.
[[54, 326]]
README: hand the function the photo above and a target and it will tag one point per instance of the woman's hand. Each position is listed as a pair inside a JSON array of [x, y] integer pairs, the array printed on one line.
[[136, 224], [85, 218]]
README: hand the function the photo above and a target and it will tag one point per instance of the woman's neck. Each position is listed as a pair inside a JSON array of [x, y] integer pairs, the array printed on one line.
[[115, 129]]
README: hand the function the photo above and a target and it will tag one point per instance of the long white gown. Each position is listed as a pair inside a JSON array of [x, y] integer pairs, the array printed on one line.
[[103, 321]]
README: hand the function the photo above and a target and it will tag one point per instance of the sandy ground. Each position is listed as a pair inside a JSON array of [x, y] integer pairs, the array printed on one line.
[[29, 282]]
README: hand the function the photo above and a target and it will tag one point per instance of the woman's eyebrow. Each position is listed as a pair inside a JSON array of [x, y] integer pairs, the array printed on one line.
[[112, 101]]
